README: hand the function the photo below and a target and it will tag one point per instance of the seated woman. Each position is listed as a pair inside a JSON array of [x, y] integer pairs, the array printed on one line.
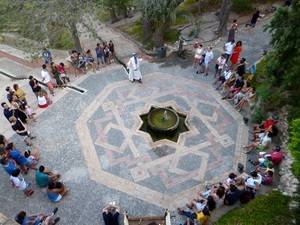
[[42, 218], [248, 98], [56, 191], [110, 214], [201, 217], [263, 142], [232, 195], [42, 100]]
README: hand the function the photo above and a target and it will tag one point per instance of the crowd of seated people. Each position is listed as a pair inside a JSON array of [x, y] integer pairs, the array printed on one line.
[[17, 163], [242, 188]]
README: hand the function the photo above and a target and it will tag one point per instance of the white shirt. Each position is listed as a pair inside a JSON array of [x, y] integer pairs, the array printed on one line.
[[209, 56], [41, 100], [19, 182], [229, 47], [199, 52], [221, 62], [266, 141], [45, 76]]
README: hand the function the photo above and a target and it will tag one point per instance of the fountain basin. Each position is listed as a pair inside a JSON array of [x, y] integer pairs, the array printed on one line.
[[163, 120]]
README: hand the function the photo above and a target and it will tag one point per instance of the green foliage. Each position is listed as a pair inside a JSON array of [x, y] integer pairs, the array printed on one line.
[[269, 209], [294, 145], [258, 115], [278, 81], [242, 6], [62, 41], [171, 36]]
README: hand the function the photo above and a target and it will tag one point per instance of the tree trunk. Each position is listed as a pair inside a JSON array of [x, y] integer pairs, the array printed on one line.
[[158, 37], [223, 17], [113, 15], [75, 37], [147, 30]]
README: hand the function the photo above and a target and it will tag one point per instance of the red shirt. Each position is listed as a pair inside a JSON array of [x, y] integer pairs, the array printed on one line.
[[60, 69], [276, 157], [269, 123]]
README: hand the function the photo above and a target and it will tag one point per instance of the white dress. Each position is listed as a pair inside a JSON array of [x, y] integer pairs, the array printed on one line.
[[134, 68]]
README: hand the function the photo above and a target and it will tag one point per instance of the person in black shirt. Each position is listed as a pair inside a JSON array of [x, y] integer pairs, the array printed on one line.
[[20, 129], [254, 19], [36, 88], [241, 69]]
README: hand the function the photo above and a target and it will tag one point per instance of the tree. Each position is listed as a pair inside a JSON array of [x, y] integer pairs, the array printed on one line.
[[223, 17], [45, 20], [116, 8], [157, 16]]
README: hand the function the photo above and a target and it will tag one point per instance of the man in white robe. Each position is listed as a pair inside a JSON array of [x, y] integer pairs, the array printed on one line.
[[134, 68]]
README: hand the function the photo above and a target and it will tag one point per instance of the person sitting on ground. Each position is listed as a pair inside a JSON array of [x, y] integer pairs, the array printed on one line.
[[56, 191], [39, 219], [43, 100], [220, 80], [198, 204], [267, 177], [253, 181], [63, 74], [235, 88], [201, 217], [9, 165], [264, 141], [43, 176], [18, 182], [90, 61], [248, 98], [110, 214], [56, 75], [265, 125], [81, 62], [32, 157], [19, 158], [232, 195]]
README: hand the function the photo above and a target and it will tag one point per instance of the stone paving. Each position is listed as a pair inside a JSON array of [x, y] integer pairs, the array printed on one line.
[[93, 140]]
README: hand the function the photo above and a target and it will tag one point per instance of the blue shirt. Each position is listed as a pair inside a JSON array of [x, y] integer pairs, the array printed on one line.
[[18, 157], [10, 167]]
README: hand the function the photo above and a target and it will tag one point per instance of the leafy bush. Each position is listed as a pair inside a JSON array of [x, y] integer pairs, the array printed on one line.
[[171, 36], [269, 209], [294, 145], [62, 41], [242, 6]]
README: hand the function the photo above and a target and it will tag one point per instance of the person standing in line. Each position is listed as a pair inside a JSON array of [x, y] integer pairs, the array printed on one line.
[[134, 68], [234, 59], [34, 84], [228, 48], [232, 31], [198, 54], [220, 63], [254, 19], [99, 55], [47, 79], [47, 56], [56, 75], [209, 56], [111, 47], [20, 94]]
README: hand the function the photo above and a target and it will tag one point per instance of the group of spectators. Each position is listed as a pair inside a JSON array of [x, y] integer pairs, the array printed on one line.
[[236, 188], [233, 80], [17, 163], [81, 61]]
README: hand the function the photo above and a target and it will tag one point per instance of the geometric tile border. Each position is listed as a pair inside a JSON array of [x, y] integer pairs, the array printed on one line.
[[147, 194]]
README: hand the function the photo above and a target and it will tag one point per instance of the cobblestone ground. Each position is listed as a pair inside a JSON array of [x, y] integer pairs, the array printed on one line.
[[92, 139]]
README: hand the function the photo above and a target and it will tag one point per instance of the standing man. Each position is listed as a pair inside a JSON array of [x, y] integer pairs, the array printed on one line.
[[134, 68], [47, 56], [228, 48], [47, 78], [209, 56], [99, 55]]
